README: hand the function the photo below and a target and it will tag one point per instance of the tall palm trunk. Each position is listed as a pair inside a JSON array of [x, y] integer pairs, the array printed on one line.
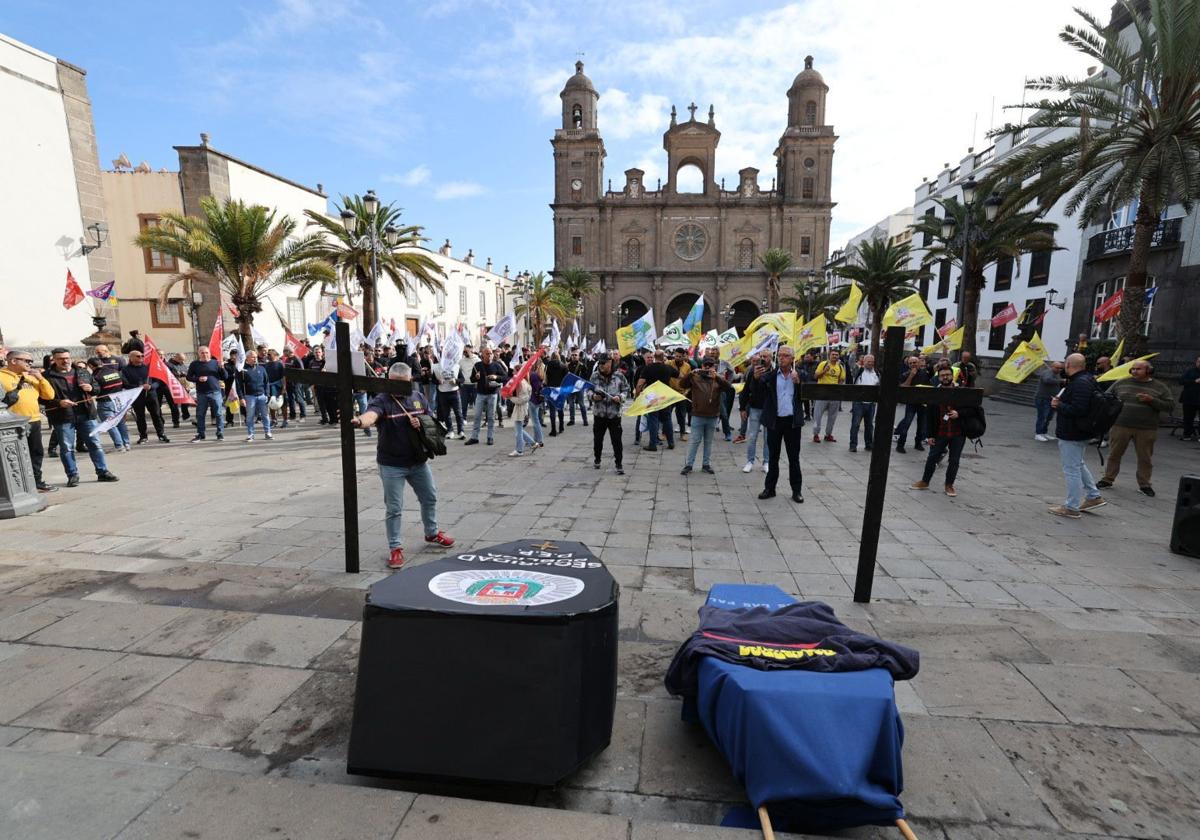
[[876, 329], [368, 298], [1133, 302], [971, 286]]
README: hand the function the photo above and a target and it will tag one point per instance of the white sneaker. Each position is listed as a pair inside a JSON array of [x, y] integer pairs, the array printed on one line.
[[270, 436], [749, 466], [1041, 438], [515, 454], [250, 440], [766, 467]]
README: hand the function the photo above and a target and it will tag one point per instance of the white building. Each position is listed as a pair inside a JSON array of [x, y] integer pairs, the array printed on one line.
[[51, 181], [896, 229], [1030, 283]]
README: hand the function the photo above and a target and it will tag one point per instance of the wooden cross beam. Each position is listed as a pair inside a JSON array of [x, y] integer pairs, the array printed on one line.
[[887, 395], [346, 382]]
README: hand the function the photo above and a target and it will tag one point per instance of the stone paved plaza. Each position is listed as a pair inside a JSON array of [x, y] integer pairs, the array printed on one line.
[[177, 651]]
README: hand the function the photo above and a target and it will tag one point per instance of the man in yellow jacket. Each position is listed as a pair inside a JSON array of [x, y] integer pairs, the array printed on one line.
[[21, 378], [828, 372]]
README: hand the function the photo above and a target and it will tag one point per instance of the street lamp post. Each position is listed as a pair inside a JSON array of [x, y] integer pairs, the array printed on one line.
[[991, 207], [370, 240]]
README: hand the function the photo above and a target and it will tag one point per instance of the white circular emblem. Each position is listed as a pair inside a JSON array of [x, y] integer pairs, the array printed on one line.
[[511, 587]]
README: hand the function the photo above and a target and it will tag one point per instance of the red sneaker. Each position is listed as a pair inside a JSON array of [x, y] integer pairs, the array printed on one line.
[[396, 560], [816, 438], [830, 439], [441, 539], [740, 439]]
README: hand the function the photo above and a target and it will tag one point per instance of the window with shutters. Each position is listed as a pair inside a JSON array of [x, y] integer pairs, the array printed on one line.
[[168, 314], [1039, 268], [156, 262], [633, 253], [805, 246], [462, 300], [295, 315], [482, 304], [577, 246], [745, 253], [806, 188], [1004, 273], [943, 279]]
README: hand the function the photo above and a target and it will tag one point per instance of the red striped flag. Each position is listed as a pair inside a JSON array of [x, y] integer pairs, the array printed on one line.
[[160, 371], [72, 295]]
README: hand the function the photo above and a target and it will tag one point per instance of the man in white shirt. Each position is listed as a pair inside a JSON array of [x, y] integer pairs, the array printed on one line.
[[864, 374]]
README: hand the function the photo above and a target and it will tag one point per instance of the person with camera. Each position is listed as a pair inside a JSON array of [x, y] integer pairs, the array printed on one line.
[[751, 401], [707, 389], [487, 376], [72, 411], [611, 386], [945, 424], [402, 460], [22, 385]]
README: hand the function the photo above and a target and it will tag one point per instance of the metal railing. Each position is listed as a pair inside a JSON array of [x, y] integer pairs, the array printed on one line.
[[1120, 240]]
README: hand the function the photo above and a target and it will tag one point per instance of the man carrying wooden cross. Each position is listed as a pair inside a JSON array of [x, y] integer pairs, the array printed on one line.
[[402, 461]]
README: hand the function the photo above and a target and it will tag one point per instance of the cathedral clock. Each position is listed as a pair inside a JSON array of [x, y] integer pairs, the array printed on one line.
[[690, 241]]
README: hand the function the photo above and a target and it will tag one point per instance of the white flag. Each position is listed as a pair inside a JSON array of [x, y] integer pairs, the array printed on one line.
[[555, 336], [234, 342], [599, 348], [258, 337], [575, 339], [505, 327], [120, 401], [452, 351], [673, 335], [375, 333]]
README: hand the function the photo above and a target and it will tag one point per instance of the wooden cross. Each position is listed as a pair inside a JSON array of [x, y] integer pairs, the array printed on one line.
[[346, 382], [887, 395]]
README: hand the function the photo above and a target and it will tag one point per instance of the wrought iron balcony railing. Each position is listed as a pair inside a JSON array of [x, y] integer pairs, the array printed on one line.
[[1120, 240]]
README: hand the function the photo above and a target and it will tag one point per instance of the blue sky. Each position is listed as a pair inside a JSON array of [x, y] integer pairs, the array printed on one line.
[[447, 107]]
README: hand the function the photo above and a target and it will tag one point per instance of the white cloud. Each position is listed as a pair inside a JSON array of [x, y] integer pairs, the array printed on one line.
[[624, 116], [458, 189], [414, 177]]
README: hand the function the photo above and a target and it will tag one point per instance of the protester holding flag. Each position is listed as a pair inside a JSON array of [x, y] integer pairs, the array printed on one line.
[[521, 397], [556, 372], [610, 388], [72, 411], [136, 374], [657, 371], [1143, 398], [583, 370], [106, 372], [683, 408], [783, 416], [25, 385]]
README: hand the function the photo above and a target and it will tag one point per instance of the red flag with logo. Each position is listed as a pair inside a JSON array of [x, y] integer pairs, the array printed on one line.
[[511, 385], [290, 343], [72, 295], [218, 335], [947, 328], [1110, 307], [1004, 316], [160, 371], [346, 312]]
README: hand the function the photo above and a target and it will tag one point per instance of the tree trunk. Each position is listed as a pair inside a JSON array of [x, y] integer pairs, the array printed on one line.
[[970, 310], [876, 320], [772, 293], [244, 320], [368, 298], [1133, 303]]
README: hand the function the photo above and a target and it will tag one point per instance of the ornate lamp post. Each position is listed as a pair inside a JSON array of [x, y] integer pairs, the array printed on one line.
[[370, 241], [991, 207]]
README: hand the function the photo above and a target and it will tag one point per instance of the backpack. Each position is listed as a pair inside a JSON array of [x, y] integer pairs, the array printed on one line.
[[974, 421], [1102, 413]]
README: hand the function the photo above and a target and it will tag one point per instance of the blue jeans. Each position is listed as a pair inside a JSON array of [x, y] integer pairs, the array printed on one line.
[[1079, 478], [655, 420], [420, 477], [577, 399], [910, 412], [753, 428], [485, 404], [120, 432], [206, 401], [1044, 413], [702, 428], [864, 411], [256, 406], [86, 428], [523, 436]]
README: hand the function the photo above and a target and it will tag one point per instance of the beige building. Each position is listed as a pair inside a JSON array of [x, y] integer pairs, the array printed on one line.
[[662, 247]]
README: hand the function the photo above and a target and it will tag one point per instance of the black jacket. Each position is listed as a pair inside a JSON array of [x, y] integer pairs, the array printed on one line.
[[68, 389], [1190, 395], [754, 392], [1074, 405], [805, 636], [556, 372], [770, 408]]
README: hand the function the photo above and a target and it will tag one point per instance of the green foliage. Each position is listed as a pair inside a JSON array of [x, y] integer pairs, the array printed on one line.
[[881, 269]]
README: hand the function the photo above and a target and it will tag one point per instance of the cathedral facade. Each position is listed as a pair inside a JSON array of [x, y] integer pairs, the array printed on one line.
[[660, 247]]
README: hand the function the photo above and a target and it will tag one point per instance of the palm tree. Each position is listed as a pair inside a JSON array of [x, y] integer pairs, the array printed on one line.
[[776, 261], [813, 297], [402, 260], [244, 246], [880, 269], [541, 299], [1011, 233], [1136, 131], [577, 283]]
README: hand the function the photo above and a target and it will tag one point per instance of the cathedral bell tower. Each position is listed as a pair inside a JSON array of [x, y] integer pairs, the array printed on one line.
[[805, 153], [578, 148]]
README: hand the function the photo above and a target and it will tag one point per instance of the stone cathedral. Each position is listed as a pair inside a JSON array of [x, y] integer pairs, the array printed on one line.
[[662, 245]]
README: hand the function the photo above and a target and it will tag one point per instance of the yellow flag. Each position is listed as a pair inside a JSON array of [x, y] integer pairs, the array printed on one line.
[[1115, 358], [952, 341], [812, 334], [910, 312], [654, 397], [1122, 371], [781, 322], [1020, 365], [849, 311], [737, 352], [1036, 345]]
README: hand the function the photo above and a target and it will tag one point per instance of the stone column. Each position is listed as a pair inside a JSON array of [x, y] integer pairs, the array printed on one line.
[[18, 492]]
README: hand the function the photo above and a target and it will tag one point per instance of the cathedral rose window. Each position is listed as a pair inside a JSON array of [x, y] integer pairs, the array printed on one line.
[[690, 241]]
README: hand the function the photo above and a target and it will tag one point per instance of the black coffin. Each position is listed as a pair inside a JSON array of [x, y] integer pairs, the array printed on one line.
[[493, 665]]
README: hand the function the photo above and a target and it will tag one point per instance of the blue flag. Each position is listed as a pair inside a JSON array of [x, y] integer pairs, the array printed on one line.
[[1150, 293], [320, 326], [572, 384]]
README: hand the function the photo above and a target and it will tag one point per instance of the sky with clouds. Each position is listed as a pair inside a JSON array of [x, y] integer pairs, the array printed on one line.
[[447, 107]]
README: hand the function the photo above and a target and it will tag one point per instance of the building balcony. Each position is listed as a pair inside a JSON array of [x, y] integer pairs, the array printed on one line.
[[1117, 241]]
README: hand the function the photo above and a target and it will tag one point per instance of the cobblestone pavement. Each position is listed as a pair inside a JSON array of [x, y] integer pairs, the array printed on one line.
[[177, 650]]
